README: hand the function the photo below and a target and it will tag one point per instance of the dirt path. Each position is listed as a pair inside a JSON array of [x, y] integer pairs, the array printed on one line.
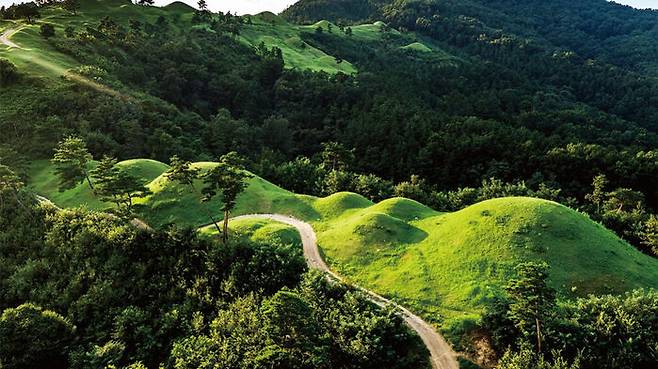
[[442, 355], [5, 38]]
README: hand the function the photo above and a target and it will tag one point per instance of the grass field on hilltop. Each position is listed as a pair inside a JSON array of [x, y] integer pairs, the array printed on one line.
[[174, 203], [447, 266], [457, 262], [44, 181]]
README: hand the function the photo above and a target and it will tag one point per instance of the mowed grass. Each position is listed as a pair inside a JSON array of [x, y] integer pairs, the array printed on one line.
[[446, 266], [260, 230], [172, 202]]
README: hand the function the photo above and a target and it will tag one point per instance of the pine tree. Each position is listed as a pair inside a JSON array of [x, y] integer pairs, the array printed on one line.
[[598, 193], [105, 176], [532, 300], [229, 178], [71, 160], [182, 172]]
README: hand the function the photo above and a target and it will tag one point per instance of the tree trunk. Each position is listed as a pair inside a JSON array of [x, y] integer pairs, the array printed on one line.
[[205, 208], [226, 226], [89, 181], [538, 335]]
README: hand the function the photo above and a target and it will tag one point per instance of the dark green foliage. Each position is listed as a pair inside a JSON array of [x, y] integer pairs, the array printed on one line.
[[318, 325], [130, 293], [8, 73], [526, 358], [28, 11], [531, 300], [71, 6], [611, 331], [47, 30], [595, 332], [341, 11], [33, 338]]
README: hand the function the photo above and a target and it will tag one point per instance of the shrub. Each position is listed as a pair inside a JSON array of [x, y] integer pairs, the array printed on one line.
[[47, 30], [32, 338], [8, 72]]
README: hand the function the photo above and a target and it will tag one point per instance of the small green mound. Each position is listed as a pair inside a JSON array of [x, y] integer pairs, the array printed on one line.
[[404, 209], [338, 203], [271, 18], [324, 24], [145, 169], [417, 47], [260, 230], [179, 7]]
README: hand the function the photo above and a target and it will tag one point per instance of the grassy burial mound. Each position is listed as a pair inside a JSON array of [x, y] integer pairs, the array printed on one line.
[[453, 264]]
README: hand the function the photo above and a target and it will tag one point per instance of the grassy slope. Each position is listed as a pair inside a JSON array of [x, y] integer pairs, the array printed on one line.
[[445, 265], [459, 261], [39, 57], [44, 182], [274, 31], [261, 230], [173, 203]]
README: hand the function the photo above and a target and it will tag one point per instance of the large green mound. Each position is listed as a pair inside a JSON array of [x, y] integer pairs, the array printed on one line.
[[459, 261], [172, 202], [446, 265]]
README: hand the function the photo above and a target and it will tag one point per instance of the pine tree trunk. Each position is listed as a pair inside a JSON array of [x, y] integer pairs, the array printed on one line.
[[538, 335], [205, 208], [225, 226], [89, 181]]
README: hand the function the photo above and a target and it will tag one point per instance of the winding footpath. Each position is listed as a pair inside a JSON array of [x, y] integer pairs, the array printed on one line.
[[442, 355], [5, 38]]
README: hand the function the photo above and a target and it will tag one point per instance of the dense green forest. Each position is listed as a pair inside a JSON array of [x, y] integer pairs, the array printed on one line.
[[446, 102]]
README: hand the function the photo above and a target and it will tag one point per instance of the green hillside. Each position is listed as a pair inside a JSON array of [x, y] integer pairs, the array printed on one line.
[[45, 182], [39, 57], [446, 265], [273, 31], [457, 262]]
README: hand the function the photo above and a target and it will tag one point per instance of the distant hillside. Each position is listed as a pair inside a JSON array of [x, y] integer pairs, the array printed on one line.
[[337, 10], [599, 29]]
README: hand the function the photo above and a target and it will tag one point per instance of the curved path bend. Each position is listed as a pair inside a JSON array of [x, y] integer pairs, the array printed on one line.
[[6, 36], [442, 355]]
